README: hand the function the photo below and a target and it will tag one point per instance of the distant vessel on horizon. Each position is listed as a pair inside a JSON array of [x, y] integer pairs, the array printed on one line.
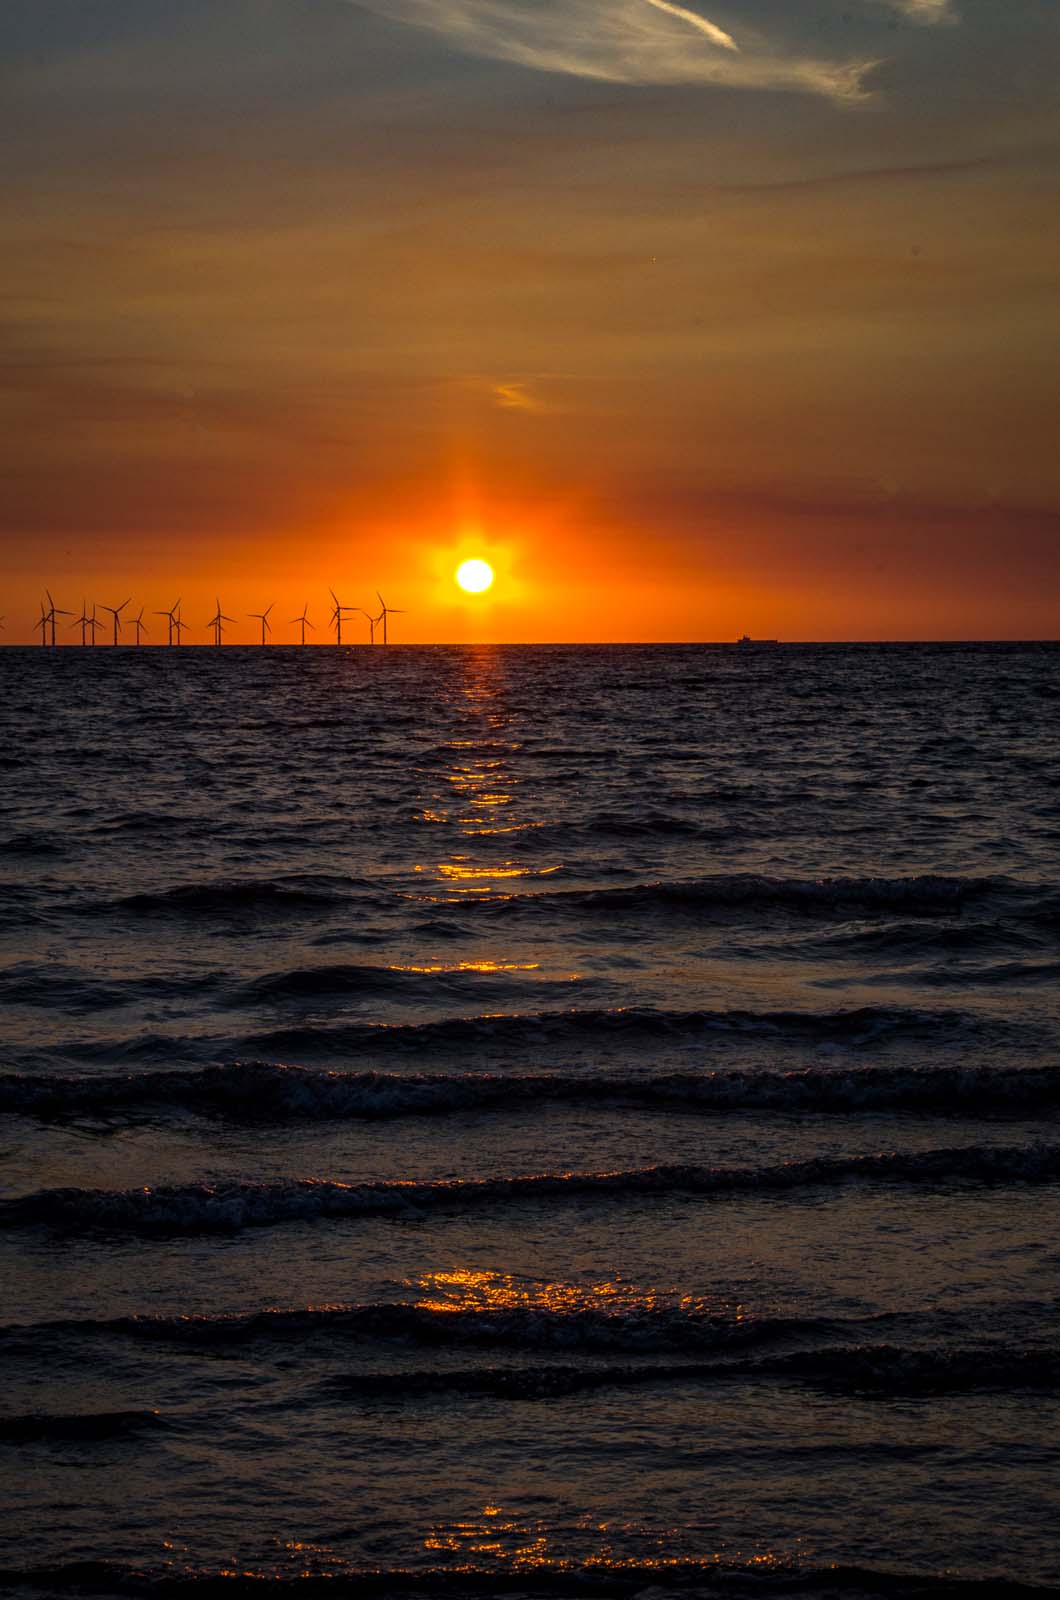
[[746, 639]]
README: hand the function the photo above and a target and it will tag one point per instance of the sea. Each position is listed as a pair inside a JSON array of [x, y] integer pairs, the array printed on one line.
[[530, 1121]]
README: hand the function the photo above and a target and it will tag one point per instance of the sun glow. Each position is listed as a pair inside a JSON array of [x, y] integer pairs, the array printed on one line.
[[474, 576]]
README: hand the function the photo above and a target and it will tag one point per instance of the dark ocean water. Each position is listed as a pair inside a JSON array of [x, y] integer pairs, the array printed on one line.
[[530, 1121]]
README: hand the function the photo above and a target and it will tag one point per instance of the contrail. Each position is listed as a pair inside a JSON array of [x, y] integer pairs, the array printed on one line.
[[712, 31]]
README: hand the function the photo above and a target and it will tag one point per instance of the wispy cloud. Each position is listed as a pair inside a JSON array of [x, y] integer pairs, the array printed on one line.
[[713, 32], [516, 397], [626, 41], [926, 11]]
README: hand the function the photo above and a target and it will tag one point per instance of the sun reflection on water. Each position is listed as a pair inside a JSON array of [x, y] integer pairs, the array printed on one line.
[[484, 966], [502, 1538], [466, 1289], [476, 791]]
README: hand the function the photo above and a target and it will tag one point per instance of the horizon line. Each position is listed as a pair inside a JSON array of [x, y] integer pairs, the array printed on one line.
[[522, 644]]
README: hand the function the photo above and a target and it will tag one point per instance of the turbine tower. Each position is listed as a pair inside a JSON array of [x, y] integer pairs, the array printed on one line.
[[304, 620], [179, 623], [337, 617], [139, 624], [116, 612], [387, 611], [215, 623], [53, 612], [263, 618], [371, 623], [42, 624], [85, 621], [172, 615]]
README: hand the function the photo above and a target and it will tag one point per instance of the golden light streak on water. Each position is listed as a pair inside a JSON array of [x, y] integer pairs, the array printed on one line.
[[467, 1289]]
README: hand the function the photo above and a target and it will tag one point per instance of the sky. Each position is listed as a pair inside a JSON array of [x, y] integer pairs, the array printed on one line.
[[692, 320]]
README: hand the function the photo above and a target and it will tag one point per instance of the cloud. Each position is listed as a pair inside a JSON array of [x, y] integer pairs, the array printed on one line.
[[626, 41], [516, 397], [925, 11], [694, 20]]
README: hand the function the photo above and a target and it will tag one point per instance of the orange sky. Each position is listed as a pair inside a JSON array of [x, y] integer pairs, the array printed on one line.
[[686, 340]]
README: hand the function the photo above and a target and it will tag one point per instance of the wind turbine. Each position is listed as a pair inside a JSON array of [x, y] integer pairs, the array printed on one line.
[[371, 623], [85, 621], [172, 615], [116, 612], [304, 620], [139, 624], [216, 621], [336, 615], [179, 623], [263, 618], [42, 624], [53, 612], [387, 611]]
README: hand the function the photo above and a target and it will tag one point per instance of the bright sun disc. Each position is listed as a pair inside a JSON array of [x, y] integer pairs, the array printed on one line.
[[474, 576]]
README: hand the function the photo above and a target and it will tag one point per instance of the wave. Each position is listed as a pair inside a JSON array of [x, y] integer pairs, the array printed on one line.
[[913, 941], [152, 822], [885, 1370], [927, 895], [79, 1426], [526, 1318], [857, 1026], [221, 896], [33, 843], [343, 978], [1022, 974], [30, 984], [232, 1206], [649, 1326], [638, 822], [264, 1091], [723, 895], [606, 1576]]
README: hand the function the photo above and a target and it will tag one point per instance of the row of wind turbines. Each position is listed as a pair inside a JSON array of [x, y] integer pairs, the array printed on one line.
[[176, 627]]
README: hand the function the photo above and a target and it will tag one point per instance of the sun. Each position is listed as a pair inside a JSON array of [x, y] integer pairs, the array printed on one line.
[[475, 576]]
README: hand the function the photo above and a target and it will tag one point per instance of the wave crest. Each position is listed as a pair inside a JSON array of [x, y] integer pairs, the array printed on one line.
[[264, 1091], [232, 1206]]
